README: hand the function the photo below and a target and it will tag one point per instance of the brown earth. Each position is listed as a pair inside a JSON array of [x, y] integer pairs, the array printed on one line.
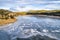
[[4, 21]]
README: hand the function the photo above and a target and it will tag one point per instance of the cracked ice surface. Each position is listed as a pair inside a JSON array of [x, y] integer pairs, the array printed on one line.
[[27, 26]]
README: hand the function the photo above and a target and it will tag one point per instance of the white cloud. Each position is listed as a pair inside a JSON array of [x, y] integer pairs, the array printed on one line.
[[35, 1], [51, 6], [31, 7], [26, 8], [25, 5], [7, 8]]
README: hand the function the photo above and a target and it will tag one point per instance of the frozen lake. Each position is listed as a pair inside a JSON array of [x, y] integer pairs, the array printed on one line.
[[27, 27]]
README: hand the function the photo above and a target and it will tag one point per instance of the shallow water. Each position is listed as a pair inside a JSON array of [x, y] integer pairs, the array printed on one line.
[[32, 28]]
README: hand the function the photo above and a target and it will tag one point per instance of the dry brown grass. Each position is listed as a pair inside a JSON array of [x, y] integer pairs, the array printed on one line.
[[3, 22]]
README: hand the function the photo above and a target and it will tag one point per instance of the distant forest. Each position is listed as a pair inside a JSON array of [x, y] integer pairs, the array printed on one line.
[[44, 12]]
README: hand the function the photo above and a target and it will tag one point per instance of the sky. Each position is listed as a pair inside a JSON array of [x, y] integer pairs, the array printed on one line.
[[25, 5]]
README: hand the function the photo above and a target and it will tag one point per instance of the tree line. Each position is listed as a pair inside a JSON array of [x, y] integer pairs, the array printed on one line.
[[4, 14]]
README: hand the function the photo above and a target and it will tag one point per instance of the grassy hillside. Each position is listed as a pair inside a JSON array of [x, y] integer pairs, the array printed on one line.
[[20, 13], [6, 17], [44, 12], [6, 14]]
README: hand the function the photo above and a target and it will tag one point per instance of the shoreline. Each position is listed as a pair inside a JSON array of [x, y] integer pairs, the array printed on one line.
[[8, 21], [49, 16], [44, 16]]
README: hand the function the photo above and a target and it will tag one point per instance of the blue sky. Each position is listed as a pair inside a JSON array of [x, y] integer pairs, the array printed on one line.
[[25, 5]]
